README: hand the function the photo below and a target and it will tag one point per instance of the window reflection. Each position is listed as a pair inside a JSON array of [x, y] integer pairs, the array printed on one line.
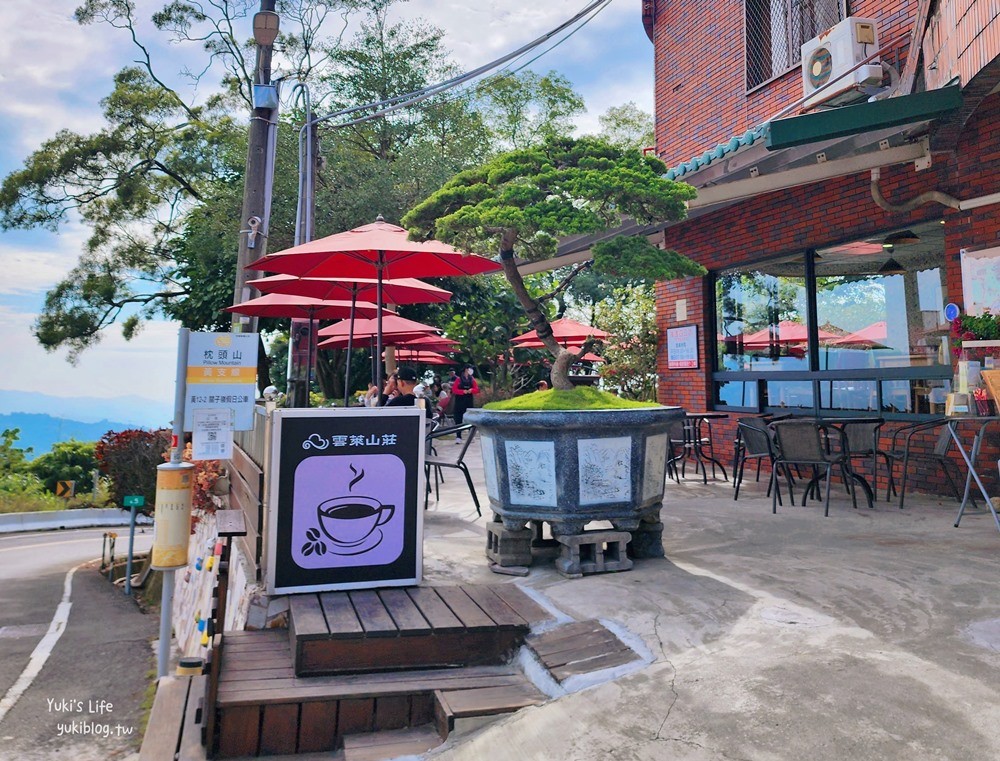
[[761, 316], [879, 306]]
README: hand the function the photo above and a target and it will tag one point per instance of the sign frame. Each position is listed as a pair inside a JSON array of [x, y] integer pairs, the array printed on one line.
[[221, 372], [682, 348], [318, 458]]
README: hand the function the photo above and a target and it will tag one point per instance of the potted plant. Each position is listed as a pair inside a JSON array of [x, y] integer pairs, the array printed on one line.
[[567, 456], [969, 332]]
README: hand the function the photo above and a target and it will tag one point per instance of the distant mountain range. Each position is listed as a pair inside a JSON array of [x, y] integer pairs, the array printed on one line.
[[135, 411], [44, 420], [40, 432]]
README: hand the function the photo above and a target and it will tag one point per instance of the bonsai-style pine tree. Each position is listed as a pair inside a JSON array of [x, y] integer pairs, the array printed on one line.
[[524, 201]]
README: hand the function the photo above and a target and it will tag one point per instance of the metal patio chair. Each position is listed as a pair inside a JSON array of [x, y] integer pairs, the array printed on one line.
[[804, 442], [449, 457], [904, 447], [756, 444]]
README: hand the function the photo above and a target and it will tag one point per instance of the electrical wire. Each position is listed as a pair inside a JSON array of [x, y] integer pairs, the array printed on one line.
[[389, 105]]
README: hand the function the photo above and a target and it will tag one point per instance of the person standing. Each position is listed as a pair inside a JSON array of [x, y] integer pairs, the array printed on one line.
[[463, 390]]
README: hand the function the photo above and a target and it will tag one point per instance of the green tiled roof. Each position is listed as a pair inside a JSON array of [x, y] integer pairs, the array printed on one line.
[[720, 151]]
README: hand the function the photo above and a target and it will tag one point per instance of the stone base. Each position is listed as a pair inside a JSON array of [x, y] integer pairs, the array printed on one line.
[[508, 547], [540, 546], [647, 541], [593, 552]]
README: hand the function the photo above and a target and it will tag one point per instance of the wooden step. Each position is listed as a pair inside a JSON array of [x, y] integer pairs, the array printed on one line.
[[262, 708], [581, 647], [381, 746], [418, 627], [452, 706]]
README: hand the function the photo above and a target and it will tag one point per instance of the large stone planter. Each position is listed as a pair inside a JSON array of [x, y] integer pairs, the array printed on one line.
[[568, 468]]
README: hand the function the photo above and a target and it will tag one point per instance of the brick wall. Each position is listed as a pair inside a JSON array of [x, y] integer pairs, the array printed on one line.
[[700, 75], [701, 101]]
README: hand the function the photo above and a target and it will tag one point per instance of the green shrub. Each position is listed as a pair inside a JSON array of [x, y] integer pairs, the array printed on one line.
[[580, 398], [67, 461], [25, 493]]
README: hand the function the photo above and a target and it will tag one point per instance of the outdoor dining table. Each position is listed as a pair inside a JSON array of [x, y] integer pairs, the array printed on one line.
[[693, 441], [970, 456]]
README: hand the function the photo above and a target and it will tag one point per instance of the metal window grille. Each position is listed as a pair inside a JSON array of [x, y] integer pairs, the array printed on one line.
[[776, 29]]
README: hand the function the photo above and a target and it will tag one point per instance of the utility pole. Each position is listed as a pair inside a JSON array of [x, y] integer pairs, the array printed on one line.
[[256, 201]]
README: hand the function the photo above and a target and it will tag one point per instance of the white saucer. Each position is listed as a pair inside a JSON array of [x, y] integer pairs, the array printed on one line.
[[369, 542]]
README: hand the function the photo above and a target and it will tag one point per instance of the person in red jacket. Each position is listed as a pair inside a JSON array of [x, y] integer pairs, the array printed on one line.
[[463, 390]]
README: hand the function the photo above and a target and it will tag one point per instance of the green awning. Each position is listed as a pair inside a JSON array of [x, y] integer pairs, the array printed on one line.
[[864, 117]]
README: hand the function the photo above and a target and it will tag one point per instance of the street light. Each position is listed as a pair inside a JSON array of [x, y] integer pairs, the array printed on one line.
[[265, 27]]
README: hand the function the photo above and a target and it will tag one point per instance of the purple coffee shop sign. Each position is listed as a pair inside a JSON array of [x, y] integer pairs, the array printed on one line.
[[346, 500]]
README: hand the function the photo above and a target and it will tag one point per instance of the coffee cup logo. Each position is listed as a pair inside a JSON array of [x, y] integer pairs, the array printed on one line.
[[349, 521]]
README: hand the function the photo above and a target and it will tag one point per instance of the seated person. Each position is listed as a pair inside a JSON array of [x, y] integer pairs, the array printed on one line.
[[399, 389]]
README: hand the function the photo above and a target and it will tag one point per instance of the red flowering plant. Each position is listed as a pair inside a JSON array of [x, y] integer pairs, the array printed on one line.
[[129, 459], [206, 475], [980, 327]]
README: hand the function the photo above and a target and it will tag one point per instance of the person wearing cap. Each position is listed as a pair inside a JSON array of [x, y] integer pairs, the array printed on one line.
[[399, 389], [463, 389]]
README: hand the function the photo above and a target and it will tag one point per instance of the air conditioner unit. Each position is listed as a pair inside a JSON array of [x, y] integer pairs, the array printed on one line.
[[827, 58]]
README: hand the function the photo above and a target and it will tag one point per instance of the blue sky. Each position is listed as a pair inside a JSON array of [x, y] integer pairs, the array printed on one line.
[[54, 72]]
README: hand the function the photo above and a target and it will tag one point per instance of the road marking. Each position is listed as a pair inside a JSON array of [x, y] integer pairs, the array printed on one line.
[[47, 544], [43, 649]]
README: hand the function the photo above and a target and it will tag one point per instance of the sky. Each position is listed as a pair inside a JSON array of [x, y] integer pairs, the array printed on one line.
[[54, 72]]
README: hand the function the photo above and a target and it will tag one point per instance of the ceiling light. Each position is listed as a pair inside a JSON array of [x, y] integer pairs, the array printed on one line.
[[903, 238], [891, 267]]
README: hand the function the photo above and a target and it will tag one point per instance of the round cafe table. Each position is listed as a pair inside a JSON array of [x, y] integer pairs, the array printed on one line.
[[694, 443]]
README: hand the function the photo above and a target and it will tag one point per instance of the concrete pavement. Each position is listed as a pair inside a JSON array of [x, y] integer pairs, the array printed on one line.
[[871, 634]]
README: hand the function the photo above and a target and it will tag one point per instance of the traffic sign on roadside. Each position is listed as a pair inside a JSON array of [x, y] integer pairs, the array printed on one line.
[[134, 500], [65, 488]]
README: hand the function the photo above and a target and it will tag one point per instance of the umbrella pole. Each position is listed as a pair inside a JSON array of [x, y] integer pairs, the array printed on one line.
[[378, 322], [309, 362], [350, 345]]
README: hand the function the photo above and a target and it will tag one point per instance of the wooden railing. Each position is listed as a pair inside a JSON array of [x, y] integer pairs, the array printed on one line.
[[248, 484]]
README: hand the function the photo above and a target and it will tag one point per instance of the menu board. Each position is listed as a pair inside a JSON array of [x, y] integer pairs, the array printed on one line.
[[981, 280]]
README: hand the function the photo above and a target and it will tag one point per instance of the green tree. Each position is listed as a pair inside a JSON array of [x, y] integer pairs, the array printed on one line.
[[526, 108], [629, 315], [13, 459], [135, 181], [524, 201], [627, 126], [67, 461]]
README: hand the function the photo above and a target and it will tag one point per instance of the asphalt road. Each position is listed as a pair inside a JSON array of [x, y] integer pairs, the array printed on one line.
[[84, 702]]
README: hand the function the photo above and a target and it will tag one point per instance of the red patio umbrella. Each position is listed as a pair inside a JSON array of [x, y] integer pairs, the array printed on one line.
[[565, 331], [870, 337], [378, 249], [788, 332], [284, 305], [395, 330], [402, 291], [423, 357], [430, 343], [407, 290]]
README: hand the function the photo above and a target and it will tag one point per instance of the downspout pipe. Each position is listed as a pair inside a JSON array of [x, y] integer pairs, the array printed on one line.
[[931, 196]]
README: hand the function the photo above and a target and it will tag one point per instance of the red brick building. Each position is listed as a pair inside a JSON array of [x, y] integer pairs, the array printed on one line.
[[835, 229]]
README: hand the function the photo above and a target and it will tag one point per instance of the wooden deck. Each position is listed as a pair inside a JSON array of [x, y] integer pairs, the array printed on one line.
[[418, 627], [581, 647], [373, 661]]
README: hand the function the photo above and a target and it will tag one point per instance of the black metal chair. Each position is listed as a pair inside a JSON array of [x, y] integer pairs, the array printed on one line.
[[909, 436], [804, 442], [756, 445], [766, 417], [861, 437], [448, 457]]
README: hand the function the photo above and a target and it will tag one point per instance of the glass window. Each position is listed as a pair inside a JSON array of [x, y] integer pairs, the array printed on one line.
[[776, 29], [881, 338], [761, 318], [736, 394], [881, 305]]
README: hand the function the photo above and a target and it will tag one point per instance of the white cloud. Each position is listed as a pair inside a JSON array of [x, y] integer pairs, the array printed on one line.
[[145, 366]]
